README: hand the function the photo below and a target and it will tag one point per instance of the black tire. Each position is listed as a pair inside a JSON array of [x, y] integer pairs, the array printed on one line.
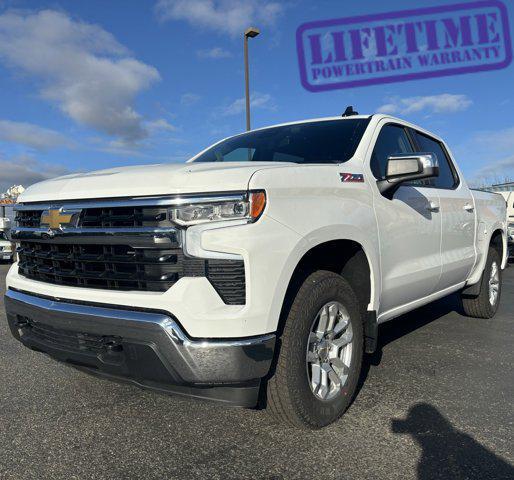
[[289, 395], [479, 306]]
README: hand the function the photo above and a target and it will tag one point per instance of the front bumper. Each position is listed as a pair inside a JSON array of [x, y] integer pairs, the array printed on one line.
[[147, 348]]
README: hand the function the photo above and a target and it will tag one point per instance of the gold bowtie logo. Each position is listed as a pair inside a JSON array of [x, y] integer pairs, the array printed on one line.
[[55, 218]]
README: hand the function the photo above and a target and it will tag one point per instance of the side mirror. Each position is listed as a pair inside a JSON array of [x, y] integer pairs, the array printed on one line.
[[406, 167]]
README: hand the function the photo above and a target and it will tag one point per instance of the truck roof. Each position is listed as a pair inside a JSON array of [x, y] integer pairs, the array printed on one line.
[[311, 120], [376, 116]]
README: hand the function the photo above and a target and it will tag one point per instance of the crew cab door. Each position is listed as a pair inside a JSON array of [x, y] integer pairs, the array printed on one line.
[[457, 212], [409, 227]]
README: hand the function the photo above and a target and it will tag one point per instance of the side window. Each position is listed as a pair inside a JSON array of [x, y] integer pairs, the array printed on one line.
[[286, 157], [238, 155], [447, 178], [392, 139]]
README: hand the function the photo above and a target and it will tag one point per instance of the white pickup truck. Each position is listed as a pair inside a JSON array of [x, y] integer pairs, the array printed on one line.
[[258, 272]]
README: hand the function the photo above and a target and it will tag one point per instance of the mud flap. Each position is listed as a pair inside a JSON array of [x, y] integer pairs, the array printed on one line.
[[370, 332]]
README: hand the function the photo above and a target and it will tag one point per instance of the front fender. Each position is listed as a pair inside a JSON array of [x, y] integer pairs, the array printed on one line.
[[318, 237]]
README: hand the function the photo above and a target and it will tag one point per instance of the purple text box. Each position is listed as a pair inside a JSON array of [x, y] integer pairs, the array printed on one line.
[[406, 45]]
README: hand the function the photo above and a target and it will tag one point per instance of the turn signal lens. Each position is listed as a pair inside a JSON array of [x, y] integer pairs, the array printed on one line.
[[257, 204]]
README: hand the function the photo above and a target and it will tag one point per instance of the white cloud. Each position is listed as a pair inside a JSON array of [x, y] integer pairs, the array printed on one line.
[[214, 53], [230, 16], [146, 152], [160, 125], [501, 140], [81, 67], [488, 156], [257, 100], [444, 103], [26, 170], [495, 172], [31, 135], [121, 148], [188, 99]]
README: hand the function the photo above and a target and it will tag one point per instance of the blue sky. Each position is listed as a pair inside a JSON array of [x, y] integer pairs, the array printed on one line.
[[93, 84]]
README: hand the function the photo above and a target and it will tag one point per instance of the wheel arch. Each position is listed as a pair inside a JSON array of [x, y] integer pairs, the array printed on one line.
[[497, 240], [336, 250]]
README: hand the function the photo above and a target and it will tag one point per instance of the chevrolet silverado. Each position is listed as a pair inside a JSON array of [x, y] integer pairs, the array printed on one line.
[[256, 273]]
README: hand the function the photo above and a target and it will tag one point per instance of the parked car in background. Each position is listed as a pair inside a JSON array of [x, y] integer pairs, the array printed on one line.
[[6, 251], [260, 270]]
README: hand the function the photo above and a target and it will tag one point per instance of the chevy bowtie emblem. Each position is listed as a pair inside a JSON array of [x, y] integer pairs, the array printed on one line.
[[55, 218]]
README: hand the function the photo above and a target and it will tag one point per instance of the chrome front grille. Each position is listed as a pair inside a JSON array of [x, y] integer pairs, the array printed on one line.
[[28, 218], [117, 246], [124, 217], [106, 217]]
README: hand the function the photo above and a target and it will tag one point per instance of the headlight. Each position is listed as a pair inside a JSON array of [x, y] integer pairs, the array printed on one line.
[[248, 207], [510, 228]]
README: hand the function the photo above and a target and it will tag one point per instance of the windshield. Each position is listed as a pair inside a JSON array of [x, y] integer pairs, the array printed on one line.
[[327, 141], [3, 236]]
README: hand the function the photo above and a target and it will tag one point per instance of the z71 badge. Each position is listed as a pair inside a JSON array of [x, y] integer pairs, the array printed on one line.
[[352, 177]]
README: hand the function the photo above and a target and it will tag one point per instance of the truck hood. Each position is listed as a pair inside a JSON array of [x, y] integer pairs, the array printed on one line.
[[143, 180]]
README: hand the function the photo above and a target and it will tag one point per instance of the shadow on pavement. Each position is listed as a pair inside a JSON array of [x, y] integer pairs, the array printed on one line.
[[448, 453], [401, 326], [405, 324]]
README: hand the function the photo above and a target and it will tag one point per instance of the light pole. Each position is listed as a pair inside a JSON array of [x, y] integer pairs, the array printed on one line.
[[249, 33]]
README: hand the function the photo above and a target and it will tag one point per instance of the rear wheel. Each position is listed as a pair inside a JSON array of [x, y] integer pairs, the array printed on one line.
[[320, 354], [485, 304]]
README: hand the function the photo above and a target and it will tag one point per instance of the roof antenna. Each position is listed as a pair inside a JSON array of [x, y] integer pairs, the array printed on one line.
[[350, 112]]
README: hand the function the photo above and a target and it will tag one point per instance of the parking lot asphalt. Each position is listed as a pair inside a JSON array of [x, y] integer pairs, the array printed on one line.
[[436, 403]]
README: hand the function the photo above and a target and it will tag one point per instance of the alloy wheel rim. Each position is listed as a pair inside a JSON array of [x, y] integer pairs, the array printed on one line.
[[329, 351], [494, 284]]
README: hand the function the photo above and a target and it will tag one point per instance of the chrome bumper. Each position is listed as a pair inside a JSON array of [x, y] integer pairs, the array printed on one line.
[[146, 348]]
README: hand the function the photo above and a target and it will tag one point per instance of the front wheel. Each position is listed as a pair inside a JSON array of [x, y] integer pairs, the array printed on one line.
[[486, 303], [320, 356]]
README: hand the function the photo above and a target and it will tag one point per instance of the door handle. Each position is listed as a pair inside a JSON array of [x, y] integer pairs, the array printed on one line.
[[433, 207], [468, 207]]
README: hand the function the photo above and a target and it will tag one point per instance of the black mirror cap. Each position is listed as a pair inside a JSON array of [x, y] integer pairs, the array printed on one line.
[[407, 167]]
